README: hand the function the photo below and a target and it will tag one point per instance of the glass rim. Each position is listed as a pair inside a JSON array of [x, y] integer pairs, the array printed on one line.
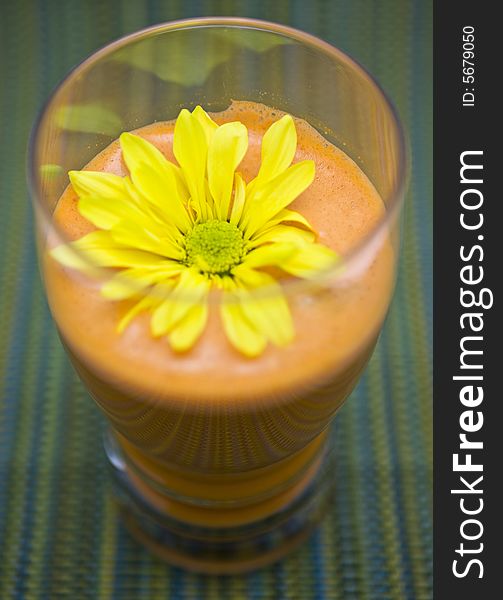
[[395, 197]]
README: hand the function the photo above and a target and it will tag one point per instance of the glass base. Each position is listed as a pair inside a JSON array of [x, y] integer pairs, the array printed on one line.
[[225, 549]]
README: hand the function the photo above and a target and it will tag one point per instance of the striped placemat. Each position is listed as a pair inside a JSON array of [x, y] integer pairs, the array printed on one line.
[[59, 533]]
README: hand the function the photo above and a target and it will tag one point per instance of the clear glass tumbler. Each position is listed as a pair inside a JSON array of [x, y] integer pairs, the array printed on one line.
[[221, 462]]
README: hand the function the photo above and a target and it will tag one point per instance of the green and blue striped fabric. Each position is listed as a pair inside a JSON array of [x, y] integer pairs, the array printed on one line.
[[60, 536]]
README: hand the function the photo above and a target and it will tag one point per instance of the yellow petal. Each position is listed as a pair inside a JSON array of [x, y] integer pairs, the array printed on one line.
[[105, 213], [68, 256], [278, 148], [191, 288], [138, 151], [283, 233], [98, 249], [130, 282], [239, 199], [277, 195], [97, 212], [105, 201], [145, 303], [191, 149], [310, 260], [96, 183], [269, 255], [148, 237], [225, 283], [146, 212], [208, 124], [156, 178], [241, 333], [185, 334], [245, 276], [285, 216], [159, 187], [138, 200], [138, 211], [271, 317], [210, 204], [269, 312], [226, 150]]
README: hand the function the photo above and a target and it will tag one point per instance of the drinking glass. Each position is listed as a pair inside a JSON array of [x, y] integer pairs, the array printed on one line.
[[223, 468]]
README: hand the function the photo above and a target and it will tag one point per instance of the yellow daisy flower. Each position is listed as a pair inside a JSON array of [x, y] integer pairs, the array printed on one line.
[[175, 232]]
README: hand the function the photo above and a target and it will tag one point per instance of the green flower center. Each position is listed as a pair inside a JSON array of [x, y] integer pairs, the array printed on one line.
[[214, 246]]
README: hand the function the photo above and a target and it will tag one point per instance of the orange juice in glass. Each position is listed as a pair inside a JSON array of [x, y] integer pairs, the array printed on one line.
[[219, 276]]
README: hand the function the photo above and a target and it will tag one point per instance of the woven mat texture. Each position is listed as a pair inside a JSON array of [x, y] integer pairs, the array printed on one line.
[[60, 536]]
